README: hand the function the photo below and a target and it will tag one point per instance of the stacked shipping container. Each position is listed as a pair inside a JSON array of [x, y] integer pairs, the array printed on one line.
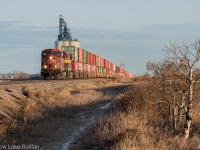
[[84, 61]]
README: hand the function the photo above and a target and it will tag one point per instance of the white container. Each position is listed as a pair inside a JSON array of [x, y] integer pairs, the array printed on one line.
[[80, 66], [88, 67]]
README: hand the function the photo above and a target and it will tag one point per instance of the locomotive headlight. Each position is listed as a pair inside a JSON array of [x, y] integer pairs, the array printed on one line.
[[50, 57], [55, 66], [45, 67]]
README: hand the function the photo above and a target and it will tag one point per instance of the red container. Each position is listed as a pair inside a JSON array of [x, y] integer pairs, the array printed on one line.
[[108, 72], [75, 65], [118, 69], [80, 55], [113, 67], [93, 68], [84, 67], [97, 60], [90, 58], [105, 65], [108, 65], [122, 70], [93, 59], [97, 69], [102, 63]]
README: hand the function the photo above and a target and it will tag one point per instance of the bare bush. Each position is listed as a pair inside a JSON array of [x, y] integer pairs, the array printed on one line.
[[27, 91]]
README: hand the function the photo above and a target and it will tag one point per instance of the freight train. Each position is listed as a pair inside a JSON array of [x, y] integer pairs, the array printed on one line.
[[68, 60]]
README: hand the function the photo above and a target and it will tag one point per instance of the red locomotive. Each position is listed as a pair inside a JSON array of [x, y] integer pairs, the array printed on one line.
[[54, 64]]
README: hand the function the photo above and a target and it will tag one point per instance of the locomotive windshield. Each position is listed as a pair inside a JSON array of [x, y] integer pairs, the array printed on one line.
[[46, 53], [51, 53], [56, 53]]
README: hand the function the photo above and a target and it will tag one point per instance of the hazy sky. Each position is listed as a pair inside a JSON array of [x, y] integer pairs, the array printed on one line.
[[130, 31]]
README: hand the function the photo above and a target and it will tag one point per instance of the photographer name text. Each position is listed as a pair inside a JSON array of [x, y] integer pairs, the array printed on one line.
[[19, 147]]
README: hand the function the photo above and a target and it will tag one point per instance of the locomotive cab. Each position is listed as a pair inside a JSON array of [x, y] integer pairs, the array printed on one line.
[[51, 63]]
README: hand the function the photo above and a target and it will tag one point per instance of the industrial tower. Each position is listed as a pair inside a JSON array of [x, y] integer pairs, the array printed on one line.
[[64, 31], [64, 36]]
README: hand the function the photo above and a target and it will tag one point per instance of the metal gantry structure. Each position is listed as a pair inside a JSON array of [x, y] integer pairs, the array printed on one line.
[[64, 31]]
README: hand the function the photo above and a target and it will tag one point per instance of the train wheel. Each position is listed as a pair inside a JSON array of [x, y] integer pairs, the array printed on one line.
[[71, 75], [50, 76], [55, 76], [64, 75], [43, 77], [59, 76]]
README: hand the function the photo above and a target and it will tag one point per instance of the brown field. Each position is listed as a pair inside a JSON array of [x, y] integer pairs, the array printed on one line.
[[39, 112], [93, 114]]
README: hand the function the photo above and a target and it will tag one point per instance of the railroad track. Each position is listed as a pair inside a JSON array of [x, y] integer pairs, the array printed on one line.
[[30, 81], [11, 82]]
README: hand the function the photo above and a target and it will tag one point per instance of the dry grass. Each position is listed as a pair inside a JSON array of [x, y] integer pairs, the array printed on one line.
[[141, 122], [23, 106], [26, 91]]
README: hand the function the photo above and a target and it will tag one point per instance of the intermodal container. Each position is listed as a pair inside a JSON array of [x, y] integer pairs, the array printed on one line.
[[109, 65], [113, 67], [88, 58], [118, 70], [80, 55], [92, 68], [80, 66], [91, 59], [75, 65], [84, 67], [97, 60], [102, 63], [75, 55], [84, 56], [72, 50], [122, 70], [88, 67], [108, 72], [100, 69], [105, 65]]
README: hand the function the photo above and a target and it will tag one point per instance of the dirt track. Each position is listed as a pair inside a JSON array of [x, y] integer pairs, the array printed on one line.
[[75, 107]]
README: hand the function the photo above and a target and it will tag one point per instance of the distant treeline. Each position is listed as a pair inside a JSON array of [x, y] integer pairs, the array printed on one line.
[[15, 75]]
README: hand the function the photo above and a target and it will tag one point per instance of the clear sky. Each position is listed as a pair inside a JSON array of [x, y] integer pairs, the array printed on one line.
[[130, 31]]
